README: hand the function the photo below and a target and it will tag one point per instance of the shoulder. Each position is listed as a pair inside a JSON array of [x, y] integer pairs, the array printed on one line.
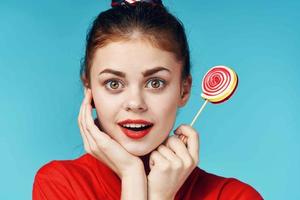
[[53, 170], [58, 169], [50, 182], [61, 170], [58, 178], [81, 178], [236, 189], [206, 185], [82, 170]]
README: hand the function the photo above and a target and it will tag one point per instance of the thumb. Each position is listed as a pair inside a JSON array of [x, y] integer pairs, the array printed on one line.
[[151, 162]]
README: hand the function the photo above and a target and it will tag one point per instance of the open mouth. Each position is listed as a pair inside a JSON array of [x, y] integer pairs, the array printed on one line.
[[136, 132], [141, 128]]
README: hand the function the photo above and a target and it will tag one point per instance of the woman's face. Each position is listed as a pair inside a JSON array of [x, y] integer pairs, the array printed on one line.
[[136, 81]]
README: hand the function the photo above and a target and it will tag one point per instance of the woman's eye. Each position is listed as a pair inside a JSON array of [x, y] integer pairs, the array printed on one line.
[[113, 84], [156, 83], [116, 84]]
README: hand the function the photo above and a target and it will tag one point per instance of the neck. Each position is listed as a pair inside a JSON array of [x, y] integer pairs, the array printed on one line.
[[145, 160]]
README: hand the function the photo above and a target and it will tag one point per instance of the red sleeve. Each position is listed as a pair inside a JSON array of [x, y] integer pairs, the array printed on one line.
[[234, 189], [50, 184]]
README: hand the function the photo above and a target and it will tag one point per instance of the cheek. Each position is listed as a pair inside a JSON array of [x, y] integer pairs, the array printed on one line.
[[165, 106], [105, 101], [167, 100], [107, 108]]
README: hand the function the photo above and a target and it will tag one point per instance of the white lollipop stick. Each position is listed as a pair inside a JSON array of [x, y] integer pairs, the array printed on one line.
[[204, 104]]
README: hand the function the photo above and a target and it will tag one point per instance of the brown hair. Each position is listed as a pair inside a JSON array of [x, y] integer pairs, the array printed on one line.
[[152, 22]]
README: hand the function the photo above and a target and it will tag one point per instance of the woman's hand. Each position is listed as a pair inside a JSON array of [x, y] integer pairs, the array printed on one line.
[[172, 162], [102, 146]]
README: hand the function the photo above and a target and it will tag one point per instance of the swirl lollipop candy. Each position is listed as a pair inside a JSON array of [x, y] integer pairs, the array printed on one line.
[[218, 85]]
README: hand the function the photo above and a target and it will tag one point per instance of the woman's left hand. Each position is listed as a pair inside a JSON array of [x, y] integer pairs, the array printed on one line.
[[172, 162]]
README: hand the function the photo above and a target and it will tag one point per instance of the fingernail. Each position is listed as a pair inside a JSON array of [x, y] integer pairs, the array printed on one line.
[[177, 132], [185, 141]]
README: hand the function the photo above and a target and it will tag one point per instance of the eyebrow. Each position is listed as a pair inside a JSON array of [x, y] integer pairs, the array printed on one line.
[[145, 73]]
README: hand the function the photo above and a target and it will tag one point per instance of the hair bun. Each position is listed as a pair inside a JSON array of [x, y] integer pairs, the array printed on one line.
[[115, 3]]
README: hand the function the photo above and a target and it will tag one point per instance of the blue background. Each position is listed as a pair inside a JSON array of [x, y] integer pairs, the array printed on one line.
[[253, 137]]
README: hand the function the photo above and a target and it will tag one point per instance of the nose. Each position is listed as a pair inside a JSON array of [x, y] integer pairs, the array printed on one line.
[[135, 101]]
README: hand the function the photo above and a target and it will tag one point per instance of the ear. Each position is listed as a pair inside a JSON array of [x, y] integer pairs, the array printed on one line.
[[185, 91]]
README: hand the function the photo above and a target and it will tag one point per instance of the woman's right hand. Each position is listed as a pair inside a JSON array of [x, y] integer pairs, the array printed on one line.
[[102, 146]]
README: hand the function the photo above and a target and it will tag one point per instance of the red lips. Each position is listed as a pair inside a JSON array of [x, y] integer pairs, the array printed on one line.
[[136, 134], [135, 121]]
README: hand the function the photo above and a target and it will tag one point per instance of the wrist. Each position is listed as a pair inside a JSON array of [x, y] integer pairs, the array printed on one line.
[[134, 185], [134, 171], [154, 196]]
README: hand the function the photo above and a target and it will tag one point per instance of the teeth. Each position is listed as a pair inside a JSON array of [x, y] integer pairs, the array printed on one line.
[[134, 125]]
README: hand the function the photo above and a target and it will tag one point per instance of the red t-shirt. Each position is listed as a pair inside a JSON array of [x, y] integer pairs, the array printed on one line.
[[86, 178]]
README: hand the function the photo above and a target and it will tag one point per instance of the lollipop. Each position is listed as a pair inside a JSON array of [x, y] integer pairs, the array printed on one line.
[[218, 85]]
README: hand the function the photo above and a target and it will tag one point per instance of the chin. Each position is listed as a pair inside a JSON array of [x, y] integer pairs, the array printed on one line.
[[138, 150]]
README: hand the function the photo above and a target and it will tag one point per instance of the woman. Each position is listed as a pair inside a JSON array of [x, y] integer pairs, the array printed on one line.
[[136, 74]]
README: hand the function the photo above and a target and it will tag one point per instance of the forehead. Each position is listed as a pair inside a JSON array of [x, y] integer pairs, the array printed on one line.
[[134, 53]]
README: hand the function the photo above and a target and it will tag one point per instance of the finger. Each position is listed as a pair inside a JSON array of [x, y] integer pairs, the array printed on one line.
[[111, 149], [92, 129], [183, 138], [166, 152], [157, 160], [84, 102], [96, 148], [177, 146], [192, 140], [90, 139], [81, 125], [170, 155], [93, 145], [88, 121], [84, 138]]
